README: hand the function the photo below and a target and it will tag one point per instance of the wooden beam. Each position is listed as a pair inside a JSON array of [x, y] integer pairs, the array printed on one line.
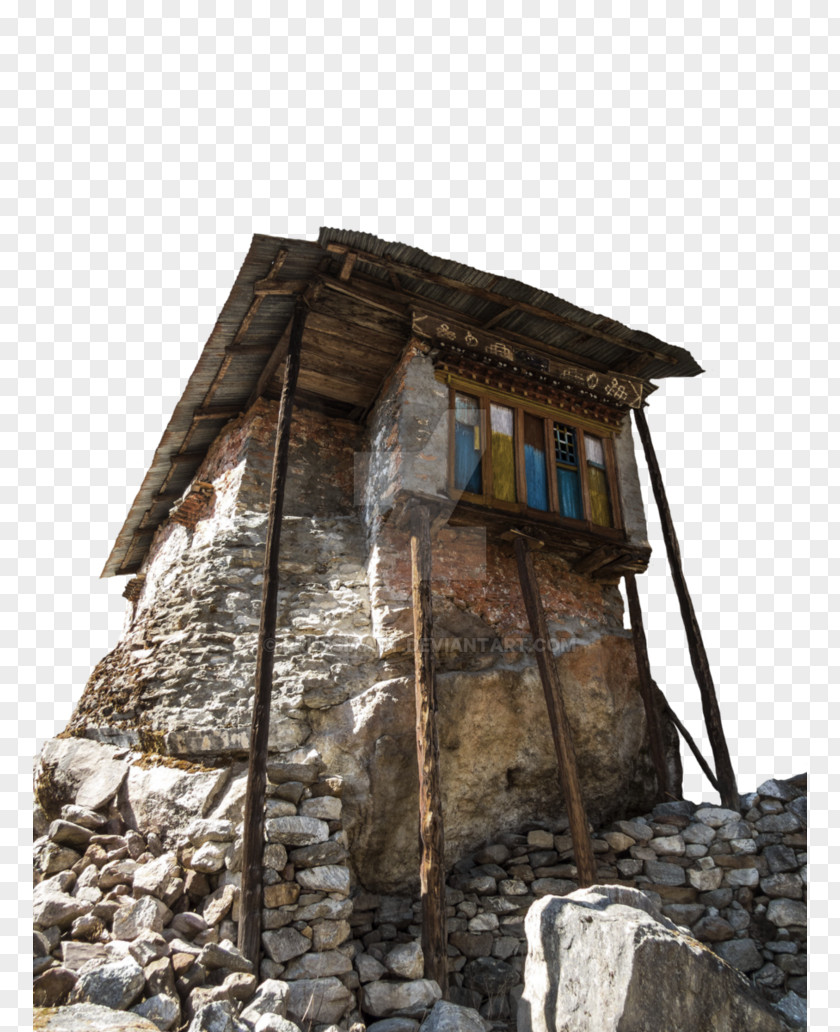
[[279, 288], [249, 349], [699, 660], [248, 319], [439, 279], [689, 741], [432, 869], [250, 924], [657, 745], [216, 412], [375, 293], [347, 266], [278, 353], [560, 729]]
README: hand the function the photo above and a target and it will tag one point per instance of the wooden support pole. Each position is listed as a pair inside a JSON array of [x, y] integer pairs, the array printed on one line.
[[689, 741], [560, 730], [728, 787], [250, 906], [432, 869], [657, 746]]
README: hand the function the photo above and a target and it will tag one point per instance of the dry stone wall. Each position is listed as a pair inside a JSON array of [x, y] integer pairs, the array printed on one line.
[[137, 894]]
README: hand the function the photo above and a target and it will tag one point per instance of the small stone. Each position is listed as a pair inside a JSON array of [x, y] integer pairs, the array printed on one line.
[[328, 935], [472, 944], [318, 965], [513, 887], [52, 988], [217, 1016], [406, 961], [713, 928], [629, 867], [58, 909], [156, 877], [369, 968], [224, 955], [792, 1007], [319, 854], [483, 923], [668, 845], [706, 880], [65, 833], [539, 839], [449, 1017], [117, 872], [210, 830], [296, 831], [321, 1000], [283, 945], [782, 790], [281, 894], [715, 816], [782, 885], [780, 858], [662, 873], [117, 985], [209, 857], [396, 1024], [490, 976], [740, 953], [270, 998], [331, 878], [275, 808], [74, 955], [83, 816], [698, 833], [274, 1023], [618, 841], [325, 808], [217, 905], [148, 946], [785, 913], [779, 823], [407, 999], [144, 914], [87, 927], [163, 1010], [746, 876], [552, 887]]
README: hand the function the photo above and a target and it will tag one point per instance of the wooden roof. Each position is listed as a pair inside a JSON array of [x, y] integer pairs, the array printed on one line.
[[361, 292]]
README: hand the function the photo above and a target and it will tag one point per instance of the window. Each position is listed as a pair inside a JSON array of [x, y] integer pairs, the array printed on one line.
[[518, 458]]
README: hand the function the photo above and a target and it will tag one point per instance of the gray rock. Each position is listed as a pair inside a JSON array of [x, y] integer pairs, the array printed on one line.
[[224, 955], [742, 954], [676, 808], [270, 998], [491, 976], [49, 858], [210, 829], [148, 946], [217, 1016], [715, 816], [78, 770], [85, 1017], [188, 924], [327, 935], [285, 944], [157, 876], [641, 969], [706, 880], [318, 1000], [217, 905], [667, 845], [325, 808], [778, 823], [74, 955], [394, 1025], [784, 884], [274, 1023], [369, 968], [780, 858], [117, 872], [163, 1010], [449, 1017], [209, 857], [787, 912], [406, 960], [662, 873], [783, 790], [65, 833], [698, 833], [141, 915], [296, 831], [792, 1007], [57, 908], [117, 985], [331, 878], [799, 807], [83, 816], [318, 965], [167, 797], [406, 999], [53, 986]]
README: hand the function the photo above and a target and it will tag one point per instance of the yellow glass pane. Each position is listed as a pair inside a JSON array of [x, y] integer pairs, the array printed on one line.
[[599, 497], [501, 445]]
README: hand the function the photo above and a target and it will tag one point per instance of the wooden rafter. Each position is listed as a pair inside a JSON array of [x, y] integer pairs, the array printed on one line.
[[441, 280]]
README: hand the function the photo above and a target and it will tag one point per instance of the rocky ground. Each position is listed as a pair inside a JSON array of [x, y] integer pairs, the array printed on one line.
[[137, 870]]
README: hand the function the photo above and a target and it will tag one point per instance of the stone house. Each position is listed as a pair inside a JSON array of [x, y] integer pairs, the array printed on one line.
[[501, 409]]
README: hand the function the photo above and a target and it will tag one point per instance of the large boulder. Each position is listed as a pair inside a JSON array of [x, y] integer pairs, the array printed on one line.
[[89, 1017], [498, 764], [604, 958], [76, 770]]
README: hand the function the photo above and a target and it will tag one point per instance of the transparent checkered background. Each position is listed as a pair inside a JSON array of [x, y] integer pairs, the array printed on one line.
[[670, 172]]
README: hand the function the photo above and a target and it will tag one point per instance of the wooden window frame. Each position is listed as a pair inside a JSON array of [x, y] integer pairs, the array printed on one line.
[[549, 416]]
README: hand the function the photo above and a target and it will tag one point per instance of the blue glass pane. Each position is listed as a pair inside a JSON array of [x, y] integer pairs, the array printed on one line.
[[568, 488], [535, 478], [467, 460]]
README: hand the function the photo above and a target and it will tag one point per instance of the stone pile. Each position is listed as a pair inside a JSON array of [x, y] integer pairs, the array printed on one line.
[[133, 913]]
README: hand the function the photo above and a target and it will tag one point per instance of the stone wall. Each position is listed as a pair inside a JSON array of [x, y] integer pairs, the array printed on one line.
[[138, 872]]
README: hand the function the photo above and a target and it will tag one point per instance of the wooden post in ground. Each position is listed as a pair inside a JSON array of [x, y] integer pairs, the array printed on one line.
[[250, 905], [432, 869], [560, 730], [657, 746], [699, 660]]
